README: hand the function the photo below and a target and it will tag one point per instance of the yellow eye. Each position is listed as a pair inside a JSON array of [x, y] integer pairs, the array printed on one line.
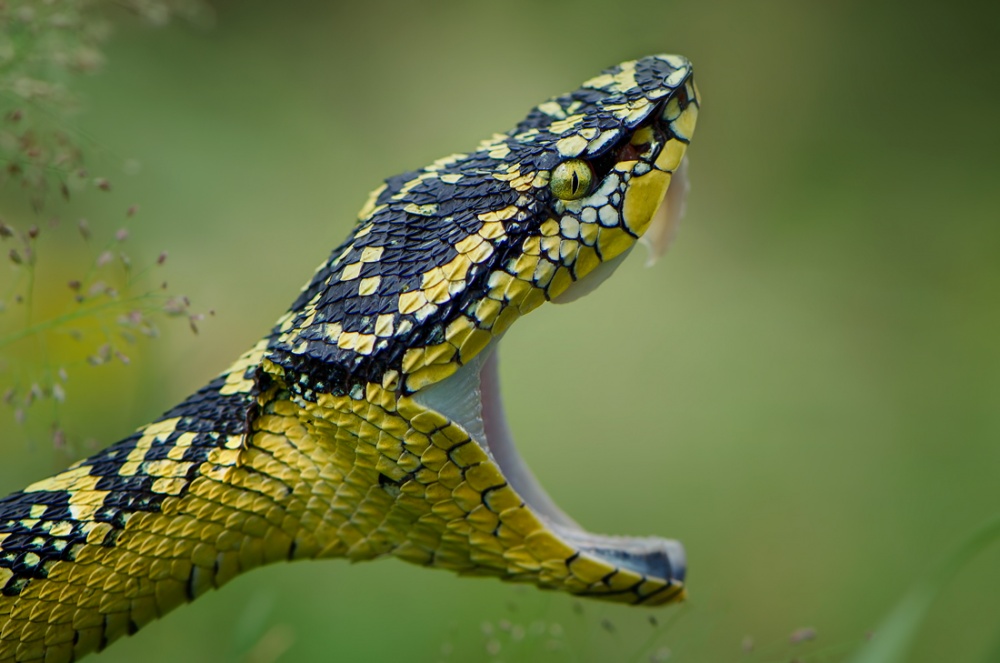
[[571, 179]]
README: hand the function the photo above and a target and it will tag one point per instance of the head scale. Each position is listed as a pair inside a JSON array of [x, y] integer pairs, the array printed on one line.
[[445, 258]]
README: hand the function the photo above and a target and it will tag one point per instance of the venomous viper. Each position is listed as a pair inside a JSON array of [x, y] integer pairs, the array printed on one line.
[[368, 422]]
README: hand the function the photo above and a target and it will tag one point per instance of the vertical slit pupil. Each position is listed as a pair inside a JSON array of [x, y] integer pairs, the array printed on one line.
[[576, 182]]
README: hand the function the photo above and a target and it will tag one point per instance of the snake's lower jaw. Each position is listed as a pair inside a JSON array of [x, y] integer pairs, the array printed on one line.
[[646, 570]]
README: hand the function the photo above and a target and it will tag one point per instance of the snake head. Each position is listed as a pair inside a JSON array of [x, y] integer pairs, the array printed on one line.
[[400, 327]]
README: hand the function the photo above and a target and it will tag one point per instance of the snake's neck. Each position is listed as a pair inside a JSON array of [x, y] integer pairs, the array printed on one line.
[[309, 465], [377, 473]]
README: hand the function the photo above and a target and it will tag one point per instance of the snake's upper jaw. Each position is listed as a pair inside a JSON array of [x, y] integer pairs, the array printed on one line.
[[636, 570]]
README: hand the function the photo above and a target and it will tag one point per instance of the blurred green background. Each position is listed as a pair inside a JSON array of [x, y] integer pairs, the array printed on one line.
[[806, 390]]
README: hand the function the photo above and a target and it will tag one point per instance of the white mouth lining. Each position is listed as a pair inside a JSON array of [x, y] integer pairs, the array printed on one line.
[[471, 399], [500, 445]]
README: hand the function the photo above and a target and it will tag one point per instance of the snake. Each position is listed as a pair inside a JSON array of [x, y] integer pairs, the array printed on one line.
[[367, 422]]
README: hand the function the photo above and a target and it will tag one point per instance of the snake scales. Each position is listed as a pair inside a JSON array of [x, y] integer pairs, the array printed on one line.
[[367, 422]]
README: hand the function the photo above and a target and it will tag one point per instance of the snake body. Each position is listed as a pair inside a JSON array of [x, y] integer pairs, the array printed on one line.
[[337, 434]]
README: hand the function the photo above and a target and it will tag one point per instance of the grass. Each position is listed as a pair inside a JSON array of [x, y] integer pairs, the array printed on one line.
[[110, 300]]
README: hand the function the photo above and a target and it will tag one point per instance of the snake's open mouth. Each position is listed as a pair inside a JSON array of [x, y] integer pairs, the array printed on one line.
[[471, 398], [658, 558]]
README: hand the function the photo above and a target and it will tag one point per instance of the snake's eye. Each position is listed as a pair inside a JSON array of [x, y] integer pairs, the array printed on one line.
[[571, 179]]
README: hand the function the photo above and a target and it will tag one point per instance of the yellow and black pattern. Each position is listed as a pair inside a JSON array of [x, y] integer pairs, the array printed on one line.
[[315, 443]]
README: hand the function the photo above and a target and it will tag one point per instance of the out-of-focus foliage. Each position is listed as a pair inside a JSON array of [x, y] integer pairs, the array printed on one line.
[[107, 302], [43, 44], [804, 390], [899, 630]]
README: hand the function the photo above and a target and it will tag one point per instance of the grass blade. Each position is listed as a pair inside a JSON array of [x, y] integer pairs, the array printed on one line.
[[895, 635]]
